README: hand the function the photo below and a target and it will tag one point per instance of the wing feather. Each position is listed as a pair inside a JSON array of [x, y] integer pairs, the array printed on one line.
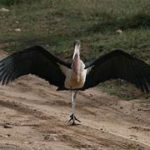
[[119, 65], [34, 60]]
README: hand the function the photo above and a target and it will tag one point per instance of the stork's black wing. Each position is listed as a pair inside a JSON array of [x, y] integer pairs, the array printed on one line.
[[119, 65], [34, 60]]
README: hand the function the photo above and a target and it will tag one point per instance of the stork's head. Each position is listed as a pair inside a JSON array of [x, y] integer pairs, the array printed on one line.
[[76, 57]]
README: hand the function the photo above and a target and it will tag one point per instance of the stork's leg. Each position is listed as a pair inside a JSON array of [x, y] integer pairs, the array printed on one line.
[[72, 116]]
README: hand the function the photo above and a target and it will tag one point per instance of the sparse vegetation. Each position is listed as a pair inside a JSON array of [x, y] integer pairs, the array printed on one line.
[[56, 24]]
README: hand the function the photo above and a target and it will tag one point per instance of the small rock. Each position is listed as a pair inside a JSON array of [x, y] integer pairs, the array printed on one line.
[[8, 135], [7, 125], [18, 30], [4, 10], [119, 31], [121, 107], [51, 137], [17, 22]]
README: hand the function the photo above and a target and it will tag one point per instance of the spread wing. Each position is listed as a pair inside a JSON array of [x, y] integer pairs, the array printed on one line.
[[34, 60], [119, 65]]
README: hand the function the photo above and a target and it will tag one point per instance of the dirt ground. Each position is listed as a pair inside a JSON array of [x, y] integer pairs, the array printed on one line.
[[34, 116]]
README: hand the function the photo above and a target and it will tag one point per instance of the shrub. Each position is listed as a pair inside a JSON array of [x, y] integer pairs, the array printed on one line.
[[12, 2], [8, 2]]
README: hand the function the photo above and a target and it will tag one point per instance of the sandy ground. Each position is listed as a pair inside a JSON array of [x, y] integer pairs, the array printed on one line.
[[34, 116]]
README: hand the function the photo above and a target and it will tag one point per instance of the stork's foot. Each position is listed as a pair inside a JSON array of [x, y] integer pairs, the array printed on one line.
[[73, 119]]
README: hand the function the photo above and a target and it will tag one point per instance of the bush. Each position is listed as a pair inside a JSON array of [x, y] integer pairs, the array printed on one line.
[[12, 2], [8, 2]]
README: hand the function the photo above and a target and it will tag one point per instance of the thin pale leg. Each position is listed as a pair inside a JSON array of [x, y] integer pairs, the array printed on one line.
[[72, 116]]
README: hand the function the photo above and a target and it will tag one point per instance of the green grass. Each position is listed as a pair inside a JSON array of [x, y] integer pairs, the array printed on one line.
[[56, 24]]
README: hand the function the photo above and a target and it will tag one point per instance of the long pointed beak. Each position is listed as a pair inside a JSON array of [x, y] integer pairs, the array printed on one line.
[[76, 49], [76, 58]]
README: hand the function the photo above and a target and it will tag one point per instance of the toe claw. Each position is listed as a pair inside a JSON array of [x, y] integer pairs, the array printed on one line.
[[77, 119]]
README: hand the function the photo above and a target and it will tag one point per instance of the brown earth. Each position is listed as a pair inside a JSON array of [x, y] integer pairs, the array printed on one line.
[[34, 116]]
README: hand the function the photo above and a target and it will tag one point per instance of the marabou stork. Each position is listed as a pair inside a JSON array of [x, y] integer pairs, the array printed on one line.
[[76, 75]]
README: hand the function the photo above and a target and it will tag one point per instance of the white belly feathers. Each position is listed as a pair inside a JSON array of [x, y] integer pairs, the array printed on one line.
[[75, 82], [72, 80]]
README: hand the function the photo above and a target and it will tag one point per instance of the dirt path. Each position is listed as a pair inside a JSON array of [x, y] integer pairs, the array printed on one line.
[[33, 116]]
